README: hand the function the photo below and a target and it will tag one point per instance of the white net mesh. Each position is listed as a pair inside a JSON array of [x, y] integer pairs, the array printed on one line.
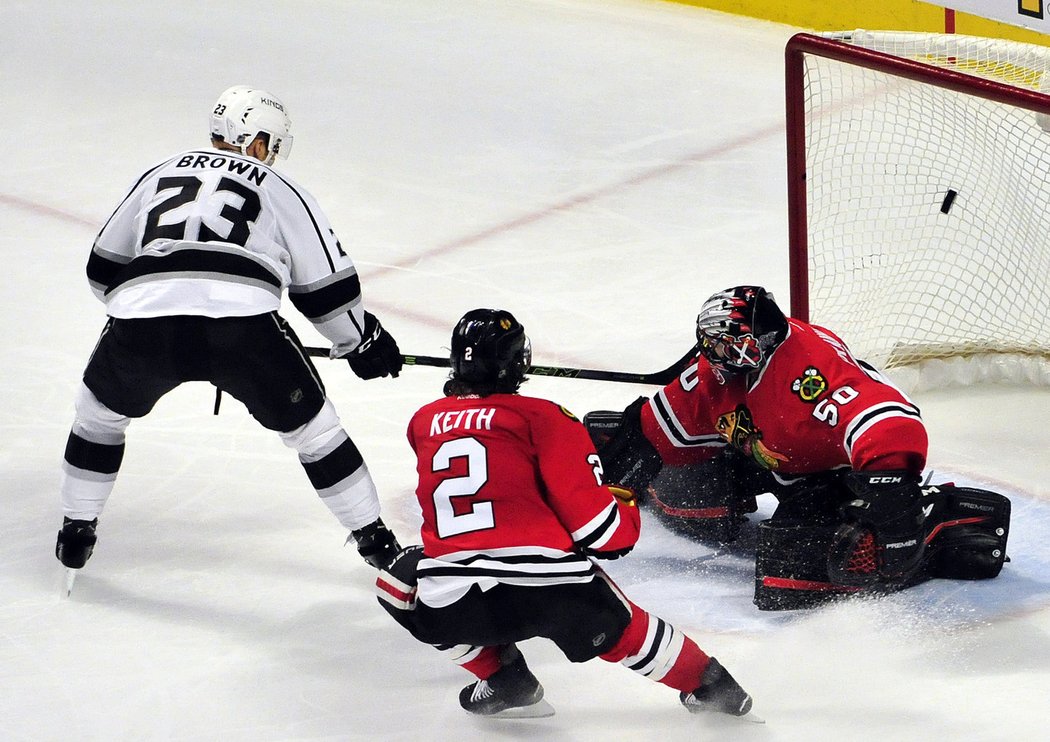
[[929, 210]]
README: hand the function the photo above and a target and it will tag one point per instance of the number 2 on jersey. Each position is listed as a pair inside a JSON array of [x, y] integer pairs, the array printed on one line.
[[479, 517]]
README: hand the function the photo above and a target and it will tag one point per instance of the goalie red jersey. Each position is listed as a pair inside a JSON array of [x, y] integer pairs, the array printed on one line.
[[812, 407], [511, 491]]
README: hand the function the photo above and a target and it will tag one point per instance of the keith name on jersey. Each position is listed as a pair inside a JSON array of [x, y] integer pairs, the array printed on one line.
[[475, 419]]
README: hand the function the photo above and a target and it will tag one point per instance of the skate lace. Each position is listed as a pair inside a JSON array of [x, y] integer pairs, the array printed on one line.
[[482, 690]]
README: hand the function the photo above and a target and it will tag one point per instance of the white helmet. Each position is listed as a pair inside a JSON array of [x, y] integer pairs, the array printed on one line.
[[243, 112]]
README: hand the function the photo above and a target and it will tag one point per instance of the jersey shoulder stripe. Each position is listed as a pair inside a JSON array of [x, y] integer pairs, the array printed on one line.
[[674, 430], [874, 415]]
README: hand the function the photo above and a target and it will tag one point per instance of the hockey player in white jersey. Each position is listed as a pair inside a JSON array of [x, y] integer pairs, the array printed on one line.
[[192, 267]]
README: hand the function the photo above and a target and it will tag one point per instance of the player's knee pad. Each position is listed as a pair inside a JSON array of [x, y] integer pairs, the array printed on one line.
[[96, 422], [312, 439], [967, 529], [791, 566]]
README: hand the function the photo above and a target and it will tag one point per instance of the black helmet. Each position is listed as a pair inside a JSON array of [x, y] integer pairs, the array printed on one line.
[[490, 351], [739, 328]]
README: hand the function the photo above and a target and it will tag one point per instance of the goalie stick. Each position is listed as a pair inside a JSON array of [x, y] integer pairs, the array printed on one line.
[[658, 378]]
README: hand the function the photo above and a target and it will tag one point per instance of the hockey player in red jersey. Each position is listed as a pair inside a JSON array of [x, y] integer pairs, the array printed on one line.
[[773, 404], [515, 511], [192, 266]]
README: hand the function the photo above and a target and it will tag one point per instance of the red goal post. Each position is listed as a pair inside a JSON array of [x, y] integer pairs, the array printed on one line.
[[919, 201]]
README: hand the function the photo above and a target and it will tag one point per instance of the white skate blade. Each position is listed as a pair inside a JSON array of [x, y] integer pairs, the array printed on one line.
[[752, 717], [67, 583], [539, 710]]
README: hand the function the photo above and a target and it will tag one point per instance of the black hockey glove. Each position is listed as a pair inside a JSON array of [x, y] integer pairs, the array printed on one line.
[[377, 355], [628, 458], [882, 536], [376, 544]]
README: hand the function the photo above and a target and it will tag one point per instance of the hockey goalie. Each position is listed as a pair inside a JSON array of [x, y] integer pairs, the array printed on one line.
[[775, 405]]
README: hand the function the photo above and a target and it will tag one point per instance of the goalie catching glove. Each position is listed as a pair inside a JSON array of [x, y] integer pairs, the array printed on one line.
[[882, 538], [377, 355]]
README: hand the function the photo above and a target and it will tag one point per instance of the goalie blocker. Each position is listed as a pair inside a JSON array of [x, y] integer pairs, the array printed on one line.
[[965, 533]]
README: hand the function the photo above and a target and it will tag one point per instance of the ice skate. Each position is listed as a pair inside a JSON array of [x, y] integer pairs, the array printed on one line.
[[513, 692], [75, 542], [719, 692]]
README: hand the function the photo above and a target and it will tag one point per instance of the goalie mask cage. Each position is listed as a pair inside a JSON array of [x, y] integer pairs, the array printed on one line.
[[919, 201]]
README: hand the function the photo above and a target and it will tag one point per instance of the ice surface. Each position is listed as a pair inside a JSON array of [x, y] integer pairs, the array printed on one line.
[[596, 167]]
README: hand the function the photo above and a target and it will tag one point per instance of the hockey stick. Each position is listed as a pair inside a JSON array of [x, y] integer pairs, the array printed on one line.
[[658, 378]]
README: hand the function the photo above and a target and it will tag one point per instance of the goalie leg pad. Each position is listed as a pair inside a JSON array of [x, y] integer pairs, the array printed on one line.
[[966, 533], [698, 501], [791, 566]]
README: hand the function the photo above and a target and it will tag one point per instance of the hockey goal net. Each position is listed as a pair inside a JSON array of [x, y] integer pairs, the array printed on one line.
[[919, 201]]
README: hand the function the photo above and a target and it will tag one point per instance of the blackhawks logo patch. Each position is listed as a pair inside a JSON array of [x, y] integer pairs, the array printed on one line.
[[568, 414], [739, 430], [810, 385]]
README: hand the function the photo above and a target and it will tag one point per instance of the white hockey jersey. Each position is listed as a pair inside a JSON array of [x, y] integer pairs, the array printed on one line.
[[219, 234]]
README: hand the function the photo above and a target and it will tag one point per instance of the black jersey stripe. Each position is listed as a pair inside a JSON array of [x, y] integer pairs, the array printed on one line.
[[582, 570], [520, 559], [313, 220], [601, 530], [320, 303], [102, 270], [892, 409], [671, 424], [196, 260]]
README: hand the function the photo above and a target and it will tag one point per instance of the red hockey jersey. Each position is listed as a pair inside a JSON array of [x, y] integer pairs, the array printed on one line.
[[511, 491], [811, 408]]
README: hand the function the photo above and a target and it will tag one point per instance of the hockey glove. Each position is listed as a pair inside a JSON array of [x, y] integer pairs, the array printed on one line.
[[628, 458], [624, 494], [376, 544], [882, 537], [377, 355]]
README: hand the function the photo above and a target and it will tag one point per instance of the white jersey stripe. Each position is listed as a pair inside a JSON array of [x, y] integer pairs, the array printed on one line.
[[872, 416], [673, 429]]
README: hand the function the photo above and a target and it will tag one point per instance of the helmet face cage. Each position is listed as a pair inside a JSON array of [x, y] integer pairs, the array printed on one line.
[[490, 347], [242, 113], [738, 328], [729, 353]]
